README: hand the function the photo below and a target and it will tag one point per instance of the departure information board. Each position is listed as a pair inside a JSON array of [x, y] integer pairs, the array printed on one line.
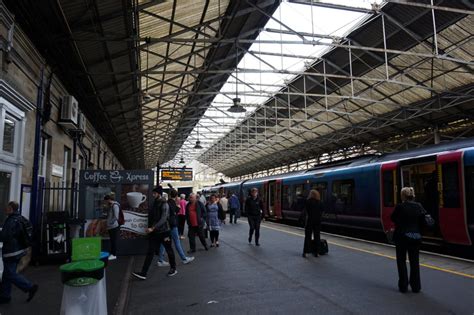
[[177, 174]]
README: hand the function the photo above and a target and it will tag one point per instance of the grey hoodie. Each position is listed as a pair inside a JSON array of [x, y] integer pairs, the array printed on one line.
[[112, 216]]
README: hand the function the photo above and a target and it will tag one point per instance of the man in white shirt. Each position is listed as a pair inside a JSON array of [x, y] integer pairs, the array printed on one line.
[[225, 204]]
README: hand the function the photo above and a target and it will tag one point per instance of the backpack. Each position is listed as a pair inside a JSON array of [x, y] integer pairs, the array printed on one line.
[[27, 231], [121, 217]]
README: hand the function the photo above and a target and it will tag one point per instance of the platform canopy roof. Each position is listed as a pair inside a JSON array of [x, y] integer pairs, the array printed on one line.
[[318, 79]]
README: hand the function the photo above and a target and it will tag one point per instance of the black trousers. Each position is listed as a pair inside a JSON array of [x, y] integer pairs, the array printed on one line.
[[154, 242], [254, 224], [312, 229], [413, 249], [181, 221], [113, 234], [233, 214], [192, 232], [214, 236]]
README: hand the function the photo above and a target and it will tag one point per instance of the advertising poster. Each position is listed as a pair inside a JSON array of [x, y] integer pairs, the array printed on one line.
[[132, 192]]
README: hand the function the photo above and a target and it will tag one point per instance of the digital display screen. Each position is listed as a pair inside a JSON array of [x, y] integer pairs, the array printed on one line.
[[177, 174]]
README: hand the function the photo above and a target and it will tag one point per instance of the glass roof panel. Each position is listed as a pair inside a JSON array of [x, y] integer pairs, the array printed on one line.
[[274, 59]]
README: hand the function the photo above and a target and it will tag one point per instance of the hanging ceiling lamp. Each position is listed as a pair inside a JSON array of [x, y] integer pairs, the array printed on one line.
[[198, 143], [236, 106]]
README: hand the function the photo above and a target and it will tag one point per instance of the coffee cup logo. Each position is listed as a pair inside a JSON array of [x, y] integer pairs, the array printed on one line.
[[135, 199]]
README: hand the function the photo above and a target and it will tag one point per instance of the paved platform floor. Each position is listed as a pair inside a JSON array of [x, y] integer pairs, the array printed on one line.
[[356, 277], [48, 299]]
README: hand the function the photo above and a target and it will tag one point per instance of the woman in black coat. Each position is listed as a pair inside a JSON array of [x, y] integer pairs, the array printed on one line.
[[312, 216], [408, 217]]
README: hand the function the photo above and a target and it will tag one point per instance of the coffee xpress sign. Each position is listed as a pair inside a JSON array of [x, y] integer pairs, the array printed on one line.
[[177, 174], [116, 177]]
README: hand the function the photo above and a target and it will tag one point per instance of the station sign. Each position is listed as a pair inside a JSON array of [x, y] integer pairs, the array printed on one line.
[[177, 174]]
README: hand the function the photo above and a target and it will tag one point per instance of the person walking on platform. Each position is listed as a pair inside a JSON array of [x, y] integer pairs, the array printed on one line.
[[202, 198], [214, 208], [182, 215], [408, 218], [312, 218], [158, 233], [15, 243], [224, 202], [196, 218], [234, 205], [174, 210], [113, 227], [254, 210]]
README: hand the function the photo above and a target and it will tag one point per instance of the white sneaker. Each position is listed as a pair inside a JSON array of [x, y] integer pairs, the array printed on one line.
[[188, 260], [163, 263], [112, 257]]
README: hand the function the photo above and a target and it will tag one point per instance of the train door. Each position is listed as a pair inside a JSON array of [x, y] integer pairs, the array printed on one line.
[[421, 174], [271, 197], [389, 193], [452, 207], [265, 195], [277, 205]]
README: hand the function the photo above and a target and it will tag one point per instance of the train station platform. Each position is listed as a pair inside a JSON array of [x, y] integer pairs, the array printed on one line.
[[355, 277]]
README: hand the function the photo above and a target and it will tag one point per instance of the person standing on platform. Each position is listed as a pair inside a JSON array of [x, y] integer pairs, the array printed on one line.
[[15, 243], [196, 218], [234, 205], [312, 217], [113, 227], [182, 216], [213, 221], [224, 202], [174, 210], [408, 218], [254, 210], [158, 233]]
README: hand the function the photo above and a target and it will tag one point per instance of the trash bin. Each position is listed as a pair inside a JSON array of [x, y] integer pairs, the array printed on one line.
[[84, 279]]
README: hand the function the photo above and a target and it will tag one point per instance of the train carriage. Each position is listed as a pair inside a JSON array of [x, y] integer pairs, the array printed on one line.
[[362, 193]]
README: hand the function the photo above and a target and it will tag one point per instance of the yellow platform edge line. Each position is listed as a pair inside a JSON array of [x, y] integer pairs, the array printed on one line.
[[376, 254]]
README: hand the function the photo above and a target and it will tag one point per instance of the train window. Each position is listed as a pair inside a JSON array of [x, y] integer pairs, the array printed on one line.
[[343, 191], [299, 191], [298, 198], [450, 185], [322, 188], [388, 189], [286, 197]]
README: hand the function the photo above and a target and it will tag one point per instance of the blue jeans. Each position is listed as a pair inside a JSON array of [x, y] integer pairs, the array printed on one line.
[[11, 277], [177, 244]]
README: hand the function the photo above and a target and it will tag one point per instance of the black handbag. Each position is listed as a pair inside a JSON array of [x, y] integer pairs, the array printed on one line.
[[412, 236]]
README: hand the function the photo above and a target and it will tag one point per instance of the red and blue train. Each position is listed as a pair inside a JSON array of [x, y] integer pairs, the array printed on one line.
[[361, 193]]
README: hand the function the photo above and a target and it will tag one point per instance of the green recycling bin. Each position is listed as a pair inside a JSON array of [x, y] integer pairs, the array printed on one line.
[[84, 279]]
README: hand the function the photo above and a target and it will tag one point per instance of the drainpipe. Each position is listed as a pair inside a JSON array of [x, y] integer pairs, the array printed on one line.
[[35, 208]]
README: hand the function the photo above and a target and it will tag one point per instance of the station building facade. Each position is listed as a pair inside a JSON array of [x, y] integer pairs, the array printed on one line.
[[21, 69]]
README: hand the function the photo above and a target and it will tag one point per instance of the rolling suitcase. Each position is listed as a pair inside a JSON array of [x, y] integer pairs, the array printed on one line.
[[323, 247]]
